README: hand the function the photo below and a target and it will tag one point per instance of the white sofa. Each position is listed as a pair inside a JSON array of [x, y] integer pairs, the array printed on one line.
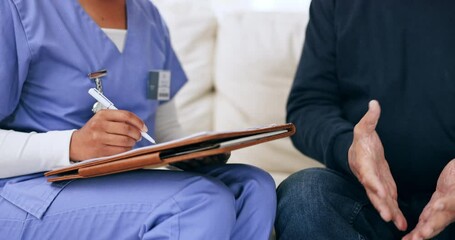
[[240, 65]]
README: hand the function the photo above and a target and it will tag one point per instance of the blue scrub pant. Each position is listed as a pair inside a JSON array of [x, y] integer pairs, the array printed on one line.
[[225, 202]]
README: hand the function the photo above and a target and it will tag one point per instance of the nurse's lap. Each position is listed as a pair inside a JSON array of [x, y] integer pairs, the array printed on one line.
[[98, 207]]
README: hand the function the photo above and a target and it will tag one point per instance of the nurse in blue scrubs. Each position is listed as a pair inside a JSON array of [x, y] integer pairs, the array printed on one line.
[[47, 50]]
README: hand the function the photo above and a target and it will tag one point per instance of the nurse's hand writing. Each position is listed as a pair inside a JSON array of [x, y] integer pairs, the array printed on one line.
[[368, 163], [440, 211], [108, 132]]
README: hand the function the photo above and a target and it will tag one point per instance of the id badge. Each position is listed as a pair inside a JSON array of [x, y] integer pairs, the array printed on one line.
[[159, 85]]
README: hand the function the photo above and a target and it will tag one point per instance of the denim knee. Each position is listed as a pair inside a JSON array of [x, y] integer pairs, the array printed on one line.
[[302, 183], [319, 203], [302, 204], [301, 190]]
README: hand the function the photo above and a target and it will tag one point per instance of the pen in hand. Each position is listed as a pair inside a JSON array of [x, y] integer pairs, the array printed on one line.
[[109, 105]]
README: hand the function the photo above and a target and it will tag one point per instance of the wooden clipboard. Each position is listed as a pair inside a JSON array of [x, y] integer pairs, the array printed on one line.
[[195, 146]]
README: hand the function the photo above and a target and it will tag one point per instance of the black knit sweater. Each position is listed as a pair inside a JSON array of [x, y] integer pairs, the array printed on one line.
[[400, 52]]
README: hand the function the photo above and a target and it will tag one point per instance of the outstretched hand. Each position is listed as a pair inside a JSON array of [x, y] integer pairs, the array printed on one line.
[[368, 163], [440, 211]]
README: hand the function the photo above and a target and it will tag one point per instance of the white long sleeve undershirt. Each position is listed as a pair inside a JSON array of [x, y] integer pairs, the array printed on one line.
[[25, 153]]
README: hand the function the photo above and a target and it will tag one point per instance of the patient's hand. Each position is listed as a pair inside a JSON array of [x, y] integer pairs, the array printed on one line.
[[440, 211], [108, 132], [368, 163], [194, 164]]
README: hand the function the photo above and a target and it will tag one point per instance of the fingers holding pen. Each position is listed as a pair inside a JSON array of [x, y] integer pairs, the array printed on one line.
[[107, 132], [123, 116], [116, 122], [123, 129]]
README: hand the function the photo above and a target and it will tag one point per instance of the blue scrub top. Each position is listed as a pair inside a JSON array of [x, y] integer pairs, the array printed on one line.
[[47, 49]]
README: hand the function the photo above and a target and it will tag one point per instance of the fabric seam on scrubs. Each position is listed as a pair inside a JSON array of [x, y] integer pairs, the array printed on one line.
[[36, 212], [133, 208], [145, 208], [21, 17], [163, 201], [178, 216], [23, 226], [101, 206]]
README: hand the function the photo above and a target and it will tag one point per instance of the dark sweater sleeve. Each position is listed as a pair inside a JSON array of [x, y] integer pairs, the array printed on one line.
[[314, 103]]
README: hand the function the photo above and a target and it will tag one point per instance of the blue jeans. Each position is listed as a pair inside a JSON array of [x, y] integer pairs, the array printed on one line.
[[324, 204]]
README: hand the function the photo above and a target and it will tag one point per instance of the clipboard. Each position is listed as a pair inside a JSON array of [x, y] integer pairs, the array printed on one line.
[[196, 146]]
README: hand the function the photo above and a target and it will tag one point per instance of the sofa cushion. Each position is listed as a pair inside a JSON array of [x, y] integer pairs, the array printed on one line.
[[256, 58], [193, 27]]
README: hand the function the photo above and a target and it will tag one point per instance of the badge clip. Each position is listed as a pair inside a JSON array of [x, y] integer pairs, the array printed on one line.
[[96, 77]]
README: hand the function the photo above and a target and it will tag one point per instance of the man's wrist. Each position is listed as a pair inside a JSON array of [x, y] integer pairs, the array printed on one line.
[[341, 147]]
